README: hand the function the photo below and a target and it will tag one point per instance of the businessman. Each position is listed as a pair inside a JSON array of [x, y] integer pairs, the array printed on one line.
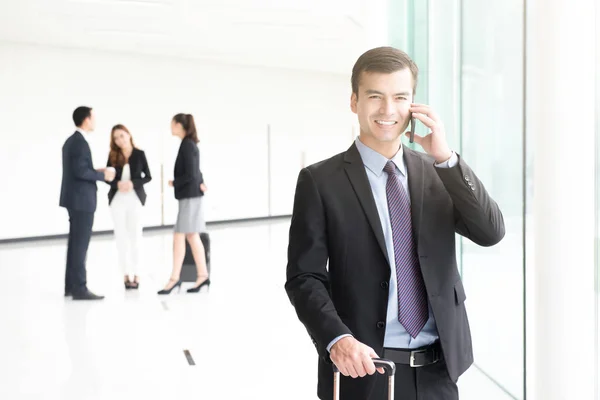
[[372, 269], [78, 196]]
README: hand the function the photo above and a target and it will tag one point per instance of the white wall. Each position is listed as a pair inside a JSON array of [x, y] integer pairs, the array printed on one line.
[[308, 114], [562, 70]]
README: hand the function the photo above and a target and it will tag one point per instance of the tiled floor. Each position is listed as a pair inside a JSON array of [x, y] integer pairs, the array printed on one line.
[[243, 335]]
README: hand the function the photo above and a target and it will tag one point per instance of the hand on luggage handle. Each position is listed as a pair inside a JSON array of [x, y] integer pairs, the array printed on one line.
[[389, 369], [388, 366]]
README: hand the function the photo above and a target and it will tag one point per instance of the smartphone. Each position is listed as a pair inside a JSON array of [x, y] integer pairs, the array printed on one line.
[[412, 129]]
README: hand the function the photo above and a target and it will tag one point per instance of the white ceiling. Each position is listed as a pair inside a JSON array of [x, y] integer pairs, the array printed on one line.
[[325, 35]]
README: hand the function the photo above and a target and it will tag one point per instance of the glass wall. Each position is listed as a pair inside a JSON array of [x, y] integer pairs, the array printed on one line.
[[597, 238], [471, 56], [492, 143]]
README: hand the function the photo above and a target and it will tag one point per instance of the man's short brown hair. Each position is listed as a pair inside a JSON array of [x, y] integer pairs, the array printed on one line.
[[385, 60]]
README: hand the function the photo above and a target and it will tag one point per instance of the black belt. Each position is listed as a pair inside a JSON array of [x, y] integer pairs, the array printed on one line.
[[415, 358]]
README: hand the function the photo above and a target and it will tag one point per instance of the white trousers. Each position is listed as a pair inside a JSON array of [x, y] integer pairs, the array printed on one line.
[[126, 210]]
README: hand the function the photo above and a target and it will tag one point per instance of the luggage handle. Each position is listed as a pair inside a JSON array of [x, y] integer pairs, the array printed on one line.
[[388, 366]]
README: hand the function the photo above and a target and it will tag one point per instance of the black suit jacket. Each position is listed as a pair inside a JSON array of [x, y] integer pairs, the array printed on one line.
[[186, 175], [78, 189], [335, 221], [140, 175]]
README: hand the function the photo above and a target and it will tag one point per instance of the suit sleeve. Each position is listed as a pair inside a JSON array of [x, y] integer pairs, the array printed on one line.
[[477, 216], [200, 176], [114, 183], [307, 282], [190, 165], [139, 182], [80, 162]]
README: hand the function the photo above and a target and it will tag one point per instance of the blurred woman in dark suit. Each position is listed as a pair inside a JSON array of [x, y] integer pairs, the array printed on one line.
[[189, 189]]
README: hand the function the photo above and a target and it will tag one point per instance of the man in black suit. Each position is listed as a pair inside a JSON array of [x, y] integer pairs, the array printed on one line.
[[372, 269], [78, 196]]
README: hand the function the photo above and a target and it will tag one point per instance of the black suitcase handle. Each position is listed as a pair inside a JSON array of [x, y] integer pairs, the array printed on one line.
[[388, 366]]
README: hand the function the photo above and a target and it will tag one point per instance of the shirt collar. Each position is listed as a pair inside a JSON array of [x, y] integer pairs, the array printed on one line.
[[85, 134], [376, 162]]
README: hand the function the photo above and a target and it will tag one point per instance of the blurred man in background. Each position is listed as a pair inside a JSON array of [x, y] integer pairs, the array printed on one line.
[[78, 196]]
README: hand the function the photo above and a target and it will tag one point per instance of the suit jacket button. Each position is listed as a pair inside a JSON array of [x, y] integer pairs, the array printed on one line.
[[380, 324], [467, 178], [384, 285]]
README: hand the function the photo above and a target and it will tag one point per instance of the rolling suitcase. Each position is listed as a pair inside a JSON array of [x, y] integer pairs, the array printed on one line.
[[188, 269], [388, 366]]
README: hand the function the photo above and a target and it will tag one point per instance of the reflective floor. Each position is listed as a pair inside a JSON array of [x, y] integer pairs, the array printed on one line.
[[242, 335]]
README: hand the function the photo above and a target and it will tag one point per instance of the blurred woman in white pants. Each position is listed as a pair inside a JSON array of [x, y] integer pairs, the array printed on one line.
[[126, 199]]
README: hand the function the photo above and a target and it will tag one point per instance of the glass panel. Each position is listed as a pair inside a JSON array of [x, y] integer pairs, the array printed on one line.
[[597, 239], [492, 144], [470, 57], [411, 34]]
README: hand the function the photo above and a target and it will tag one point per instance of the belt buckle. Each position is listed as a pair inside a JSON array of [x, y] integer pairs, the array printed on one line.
[[412, 358]]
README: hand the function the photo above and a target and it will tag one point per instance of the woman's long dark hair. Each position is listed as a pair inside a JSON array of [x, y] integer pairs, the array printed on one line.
[[187, 121], [116, 157]]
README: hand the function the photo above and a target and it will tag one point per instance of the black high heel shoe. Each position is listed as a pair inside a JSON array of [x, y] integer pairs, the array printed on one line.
[[135, 283], [168, 291], [197, 288]]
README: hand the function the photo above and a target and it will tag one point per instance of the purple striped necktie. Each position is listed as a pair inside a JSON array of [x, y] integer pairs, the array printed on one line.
[[412, 296]]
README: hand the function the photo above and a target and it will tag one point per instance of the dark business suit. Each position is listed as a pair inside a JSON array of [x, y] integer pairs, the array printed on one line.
[[187, 176], [78, 196], [335, 221], [140, 175]]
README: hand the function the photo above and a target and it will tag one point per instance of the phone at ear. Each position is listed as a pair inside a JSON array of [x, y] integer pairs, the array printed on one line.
[[412, 129]]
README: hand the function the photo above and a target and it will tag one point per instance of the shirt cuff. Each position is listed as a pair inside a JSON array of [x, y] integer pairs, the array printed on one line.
[[451, 162], [334, 341]]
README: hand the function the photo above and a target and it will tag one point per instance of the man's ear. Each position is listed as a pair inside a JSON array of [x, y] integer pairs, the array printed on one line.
[[353, 101]]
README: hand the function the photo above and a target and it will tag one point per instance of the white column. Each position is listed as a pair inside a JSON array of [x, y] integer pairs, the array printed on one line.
[[561, 120]]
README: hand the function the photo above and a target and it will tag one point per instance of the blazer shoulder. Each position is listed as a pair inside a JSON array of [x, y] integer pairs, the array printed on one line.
[[73, 137], [76, 140], [187, 142], [68, 141], [188, 146], [326, 170], [77, 136], [328, 164]]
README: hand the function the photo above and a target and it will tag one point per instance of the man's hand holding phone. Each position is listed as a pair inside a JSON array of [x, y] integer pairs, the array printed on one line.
[[434, 143]]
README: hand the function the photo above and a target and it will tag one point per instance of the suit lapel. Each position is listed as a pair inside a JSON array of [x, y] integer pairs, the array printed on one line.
[[133, 161], [357, 175], [416, 178]]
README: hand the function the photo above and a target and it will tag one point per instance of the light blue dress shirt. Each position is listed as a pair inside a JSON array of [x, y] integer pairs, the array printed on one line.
[[395, 334]]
